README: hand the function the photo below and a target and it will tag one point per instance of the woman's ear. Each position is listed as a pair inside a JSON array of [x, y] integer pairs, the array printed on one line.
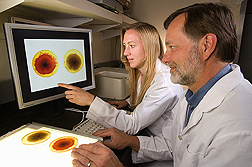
[[208, 44]]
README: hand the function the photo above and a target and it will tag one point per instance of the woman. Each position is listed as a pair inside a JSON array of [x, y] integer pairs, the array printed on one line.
[[153, 95]]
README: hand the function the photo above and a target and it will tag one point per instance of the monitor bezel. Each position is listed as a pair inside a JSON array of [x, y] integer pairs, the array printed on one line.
[[57, 92]]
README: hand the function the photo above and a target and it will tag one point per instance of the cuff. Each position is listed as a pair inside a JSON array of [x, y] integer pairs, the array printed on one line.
[[138, 156], [95, 109]]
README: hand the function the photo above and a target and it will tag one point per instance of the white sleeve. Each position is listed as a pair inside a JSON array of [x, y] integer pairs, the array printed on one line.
[[157, 148], [160, 97]]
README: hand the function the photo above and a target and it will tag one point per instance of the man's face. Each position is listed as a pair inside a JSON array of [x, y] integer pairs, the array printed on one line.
[[182, 54]]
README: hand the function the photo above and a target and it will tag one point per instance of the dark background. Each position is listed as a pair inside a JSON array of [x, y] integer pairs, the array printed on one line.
[[245, 55]]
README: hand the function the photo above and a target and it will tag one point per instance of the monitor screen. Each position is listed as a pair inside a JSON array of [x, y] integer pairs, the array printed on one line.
[[42, 56]]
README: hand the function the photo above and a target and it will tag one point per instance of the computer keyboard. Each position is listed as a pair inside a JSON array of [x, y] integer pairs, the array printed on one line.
[[88, 127]]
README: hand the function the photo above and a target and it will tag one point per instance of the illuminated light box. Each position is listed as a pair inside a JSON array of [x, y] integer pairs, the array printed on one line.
[[17, 148]]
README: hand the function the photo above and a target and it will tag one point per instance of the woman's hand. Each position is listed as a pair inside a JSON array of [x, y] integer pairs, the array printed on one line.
[[119, 104], [77, 95]]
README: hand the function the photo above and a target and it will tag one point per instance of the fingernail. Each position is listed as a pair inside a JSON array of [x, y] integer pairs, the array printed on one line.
[[82, 145], [72, 154]]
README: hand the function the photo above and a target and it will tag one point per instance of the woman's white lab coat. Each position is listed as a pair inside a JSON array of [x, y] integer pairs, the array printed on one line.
[[219, 132], [152, 112]]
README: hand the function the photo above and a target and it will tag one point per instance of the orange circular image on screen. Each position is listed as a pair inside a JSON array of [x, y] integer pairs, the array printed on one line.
[[36, 137], [45, 63], [63, 144], [73, 60]]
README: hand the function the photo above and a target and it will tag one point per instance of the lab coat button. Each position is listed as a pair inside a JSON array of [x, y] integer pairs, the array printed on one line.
[[180, 137]]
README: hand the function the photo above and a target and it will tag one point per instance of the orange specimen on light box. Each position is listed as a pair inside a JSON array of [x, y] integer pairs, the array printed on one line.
[[63, 144], [36, 137]]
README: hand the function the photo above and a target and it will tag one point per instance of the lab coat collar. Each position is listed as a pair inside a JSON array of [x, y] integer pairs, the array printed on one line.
[[160, 68]]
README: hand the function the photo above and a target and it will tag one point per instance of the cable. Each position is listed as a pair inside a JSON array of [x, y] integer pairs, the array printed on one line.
[[83, 117]]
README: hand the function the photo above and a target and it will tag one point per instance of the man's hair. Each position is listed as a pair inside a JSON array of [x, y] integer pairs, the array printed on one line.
[[205, 18], [153, 48]]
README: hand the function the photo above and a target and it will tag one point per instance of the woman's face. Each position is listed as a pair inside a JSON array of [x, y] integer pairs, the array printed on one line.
[[134, 50]]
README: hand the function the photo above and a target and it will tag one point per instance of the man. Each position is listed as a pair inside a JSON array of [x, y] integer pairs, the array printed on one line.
[[212, 122]]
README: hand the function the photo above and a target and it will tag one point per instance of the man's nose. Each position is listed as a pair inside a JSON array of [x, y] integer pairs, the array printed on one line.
[[166, 58]]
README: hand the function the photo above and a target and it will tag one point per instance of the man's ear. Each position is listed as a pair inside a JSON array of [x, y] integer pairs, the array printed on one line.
[[208, 44]]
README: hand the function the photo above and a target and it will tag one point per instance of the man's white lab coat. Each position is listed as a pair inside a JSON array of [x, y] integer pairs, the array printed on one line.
[[219, 132]]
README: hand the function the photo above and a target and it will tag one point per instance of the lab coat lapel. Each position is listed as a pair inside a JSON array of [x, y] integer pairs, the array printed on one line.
[[180, 116]]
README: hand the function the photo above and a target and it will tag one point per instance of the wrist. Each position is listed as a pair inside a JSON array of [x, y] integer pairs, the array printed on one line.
[[92, 99], [134, 143]]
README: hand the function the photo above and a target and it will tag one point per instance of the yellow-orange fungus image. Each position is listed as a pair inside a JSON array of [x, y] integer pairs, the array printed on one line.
[[73, 60], [36, 137], [63, 144], [45, 63]]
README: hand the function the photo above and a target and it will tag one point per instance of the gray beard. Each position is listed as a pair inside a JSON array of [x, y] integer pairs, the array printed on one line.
[[189, 71]]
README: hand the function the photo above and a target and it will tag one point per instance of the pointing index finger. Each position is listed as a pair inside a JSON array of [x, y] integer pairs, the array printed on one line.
[[66, 86]]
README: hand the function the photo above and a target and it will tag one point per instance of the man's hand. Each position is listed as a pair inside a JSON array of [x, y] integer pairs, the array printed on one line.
[[119, 139], [96, 153], [77, 95]]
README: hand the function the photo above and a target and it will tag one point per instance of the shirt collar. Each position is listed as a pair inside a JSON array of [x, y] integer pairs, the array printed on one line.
[[194, 99]]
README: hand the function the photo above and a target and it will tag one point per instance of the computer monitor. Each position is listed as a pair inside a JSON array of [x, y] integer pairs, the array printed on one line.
[[42, 56]]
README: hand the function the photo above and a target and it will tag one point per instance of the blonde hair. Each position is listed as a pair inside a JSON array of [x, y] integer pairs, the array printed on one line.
[[153, 49]]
